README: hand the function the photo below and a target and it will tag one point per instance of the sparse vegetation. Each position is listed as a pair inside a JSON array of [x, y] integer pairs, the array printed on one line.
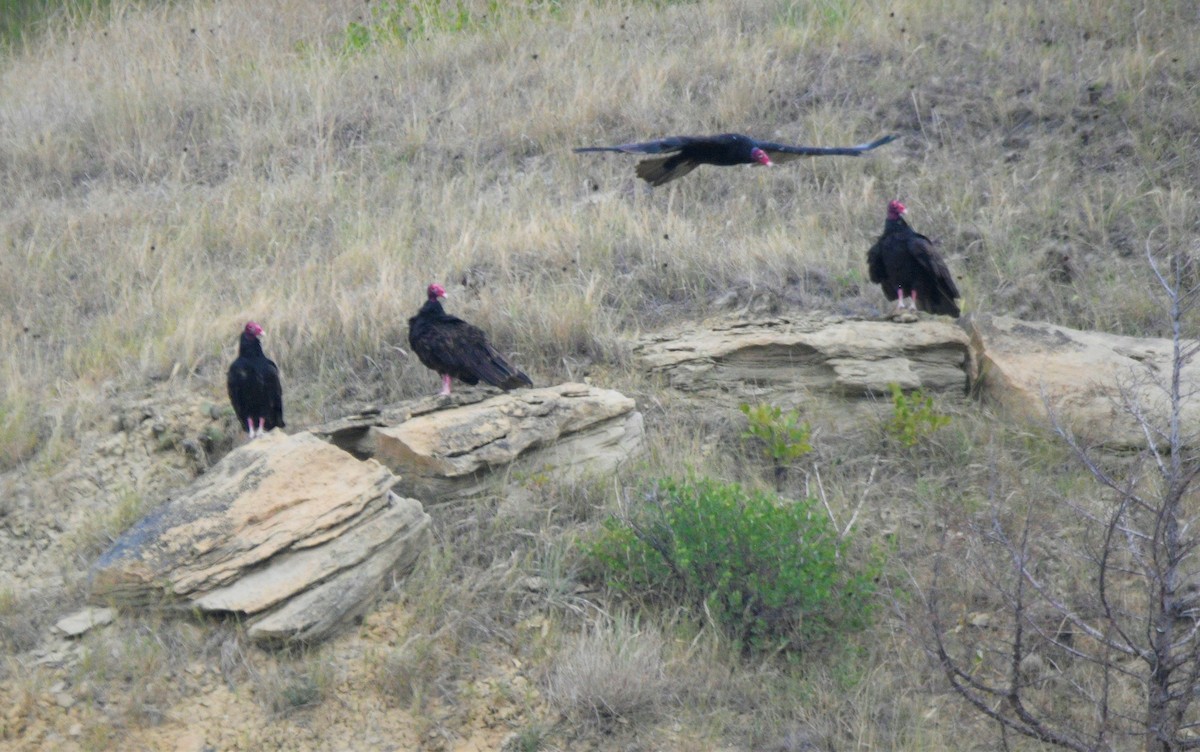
[[170, 170], [614, 671], [295, 685], [1129, 628]]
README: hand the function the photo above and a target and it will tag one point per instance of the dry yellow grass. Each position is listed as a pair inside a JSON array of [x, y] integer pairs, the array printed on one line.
[[168, 171]]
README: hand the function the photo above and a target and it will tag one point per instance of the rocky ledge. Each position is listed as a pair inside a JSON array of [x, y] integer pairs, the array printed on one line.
[[786, 359]]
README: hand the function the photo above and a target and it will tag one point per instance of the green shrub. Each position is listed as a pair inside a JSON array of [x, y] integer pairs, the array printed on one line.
[[913, 416], [772, 574], [783, 437]]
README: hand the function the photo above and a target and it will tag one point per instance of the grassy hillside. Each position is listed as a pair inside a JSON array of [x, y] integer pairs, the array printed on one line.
[[168, 171]]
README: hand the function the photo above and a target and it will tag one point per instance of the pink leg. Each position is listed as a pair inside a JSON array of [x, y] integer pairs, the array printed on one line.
[[445, 385], [899, 298], [261, 422], [250, 427], [914, 300]]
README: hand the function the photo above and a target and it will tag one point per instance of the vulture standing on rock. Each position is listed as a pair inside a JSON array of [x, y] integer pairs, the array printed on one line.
[[454, 348], [254, 387], [686, 153], [908, 269]]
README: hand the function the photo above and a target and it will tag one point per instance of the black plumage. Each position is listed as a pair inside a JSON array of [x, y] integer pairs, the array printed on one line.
[[454, 348], [686, 153], [907, 267], [253, 384]]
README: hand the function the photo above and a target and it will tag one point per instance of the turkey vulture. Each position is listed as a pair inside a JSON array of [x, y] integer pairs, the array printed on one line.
[[907, 267], [686, 153], [253, 384], [454, 348]]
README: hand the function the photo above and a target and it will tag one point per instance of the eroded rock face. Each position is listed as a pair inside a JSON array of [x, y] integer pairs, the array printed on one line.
[[784, 359], [1085, 377], [289, 532]]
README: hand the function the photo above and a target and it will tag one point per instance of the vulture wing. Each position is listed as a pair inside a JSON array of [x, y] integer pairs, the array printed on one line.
[[665, 169], [661, 146], [785, 153], [449, 345], [942, 290], [269, 374], [877, 270]]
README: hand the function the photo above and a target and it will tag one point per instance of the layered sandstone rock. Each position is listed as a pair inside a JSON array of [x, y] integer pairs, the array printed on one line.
[[787, 359], [454, 446], [288, 532]]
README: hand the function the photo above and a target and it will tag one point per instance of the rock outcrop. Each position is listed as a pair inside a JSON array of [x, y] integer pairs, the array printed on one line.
[[785, 359], [561, 431], [288, 532], [1086, 378]]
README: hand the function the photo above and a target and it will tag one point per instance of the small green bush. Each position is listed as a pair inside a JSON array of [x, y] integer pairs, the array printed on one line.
[[913, 416], [770, 573], [782, 436]]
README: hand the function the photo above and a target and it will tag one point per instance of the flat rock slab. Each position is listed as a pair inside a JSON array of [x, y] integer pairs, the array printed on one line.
[[83, 620], [1086, 378], [562, 430], [783, 359], [288, 532], [455, 446]]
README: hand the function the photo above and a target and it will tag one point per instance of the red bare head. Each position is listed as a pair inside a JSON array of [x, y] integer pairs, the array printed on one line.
[[436, 291], [895, 209], [761, 157], [253, 329]]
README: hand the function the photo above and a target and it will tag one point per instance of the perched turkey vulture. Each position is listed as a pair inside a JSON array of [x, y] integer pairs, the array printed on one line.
[[686, 153], [454, 348], [253, 384], [908, 269]]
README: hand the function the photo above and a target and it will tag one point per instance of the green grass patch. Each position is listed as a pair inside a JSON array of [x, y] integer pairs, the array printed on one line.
[[23, 20], [404, 21]]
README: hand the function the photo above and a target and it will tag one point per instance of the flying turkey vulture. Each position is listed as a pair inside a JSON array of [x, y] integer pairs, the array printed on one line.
[[908, 269], [454, 348], [686, 153], [253, 384]]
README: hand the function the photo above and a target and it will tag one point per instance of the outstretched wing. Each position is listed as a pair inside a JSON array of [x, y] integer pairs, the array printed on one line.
[[661, 146], [664, 169], [786, 153]]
